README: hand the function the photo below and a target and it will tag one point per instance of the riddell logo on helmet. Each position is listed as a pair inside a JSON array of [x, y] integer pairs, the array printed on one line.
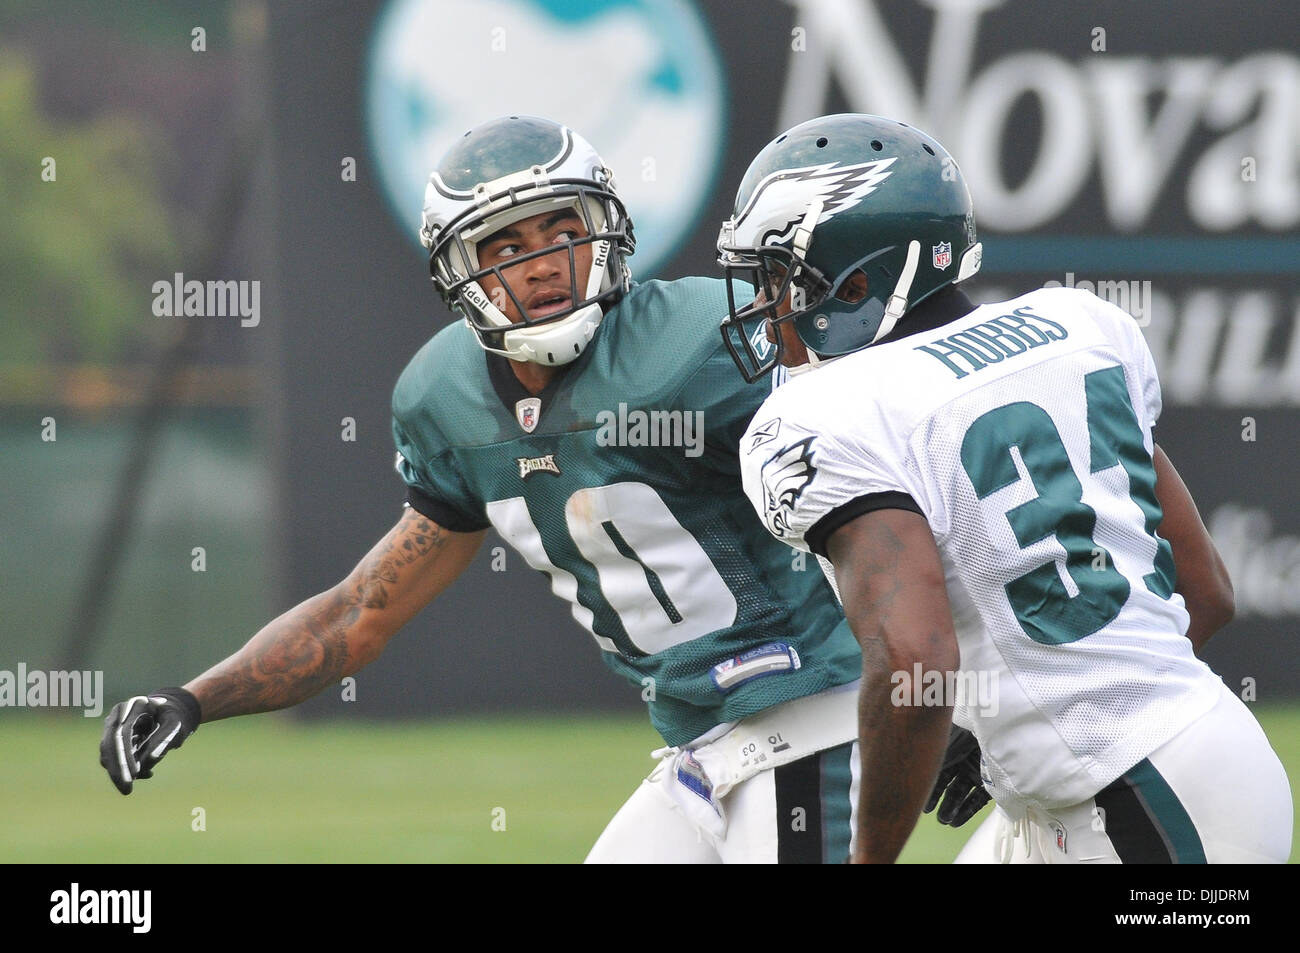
[[475, 296]]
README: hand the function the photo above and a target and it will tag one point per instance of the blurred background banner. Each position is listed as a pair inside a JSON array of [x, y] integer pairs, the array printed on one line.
[[1149, 152]]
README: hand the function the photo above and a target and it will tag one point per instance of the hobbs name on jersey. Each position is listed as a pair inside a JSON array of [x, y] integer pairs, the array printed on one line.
[[994, 340]]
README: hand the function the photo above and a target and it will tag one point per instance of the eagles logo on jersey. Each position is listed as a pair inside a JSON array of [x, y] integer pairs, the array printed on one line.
[[785, 476]]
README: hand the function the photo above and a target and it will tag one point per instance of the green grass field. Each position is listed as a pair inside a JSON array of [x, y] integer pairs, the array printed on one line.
[[277, 790]]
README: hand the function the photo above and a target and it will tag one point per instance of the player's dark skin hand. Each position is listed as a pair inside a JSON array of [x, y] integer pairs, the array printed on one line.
[[959, 784], [141, 730], [892, 582]]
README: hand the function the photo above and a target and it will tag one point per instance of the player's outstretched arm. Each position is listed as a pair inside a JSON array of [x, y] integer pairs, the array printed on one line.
[[338, 632], [311, 646], [891, 581], [1203, 580]]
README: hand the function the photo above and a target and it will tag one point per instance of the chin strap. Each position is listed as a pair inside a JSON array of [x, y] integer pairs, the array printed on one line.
[[814, 362], [897, 304], [803, 236], [894, 310], [804, 233]]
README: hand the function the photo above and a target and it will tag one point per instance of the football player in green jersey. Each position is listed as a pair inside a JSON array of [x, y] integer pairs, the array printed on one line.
[[554, 413]]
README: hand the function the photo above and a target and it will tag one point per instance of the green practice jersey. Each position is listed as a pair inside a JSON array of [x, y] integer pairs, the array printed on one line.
[[621, 482]]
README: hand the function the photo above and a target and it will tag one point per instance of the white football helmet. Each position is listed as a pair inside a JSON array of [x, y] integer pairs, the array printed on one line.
[[497, 174]]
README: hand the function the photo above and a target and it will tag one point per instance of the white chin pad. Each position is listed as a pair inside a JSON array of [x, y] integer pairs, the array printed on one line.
[[556, 343]]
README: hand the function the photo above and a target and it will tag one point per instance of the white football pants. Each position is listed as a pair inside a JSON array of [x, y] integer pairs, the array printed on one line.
[[1214, 793], [780, 786]]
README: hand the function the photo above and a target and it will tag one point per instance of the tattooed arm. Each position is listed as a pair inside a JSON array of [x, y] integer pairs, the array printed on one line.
[[891, 580], [338, 632]]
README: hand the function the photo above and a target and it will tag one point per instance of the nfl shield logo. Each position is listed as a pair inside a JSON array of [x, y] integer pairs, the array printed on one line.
[[527, 411], [942, 255], [1062, 843]]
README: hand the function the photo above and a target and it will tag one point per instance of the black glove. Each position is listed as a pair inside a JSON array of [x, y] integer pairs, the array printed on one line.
[[959, 781], [140, 730]]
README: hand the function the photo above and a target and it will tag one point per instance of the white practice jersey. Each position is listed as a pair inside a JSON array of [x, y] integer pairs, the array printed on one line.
[[1022, 432]]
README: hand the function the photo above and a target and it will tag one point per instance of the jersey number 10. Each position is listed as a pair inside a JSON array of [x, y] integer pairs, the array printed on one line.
[[652, 573]]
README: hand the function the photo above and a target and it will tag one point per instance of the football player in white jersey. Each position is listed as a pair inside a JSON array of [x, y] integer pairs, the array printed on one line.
[[1013, 551]]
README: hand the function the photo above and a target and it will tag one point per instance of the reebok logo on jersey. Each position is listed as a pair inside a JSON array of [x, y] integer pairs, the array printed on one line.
[[785, 476], [530, 465], [765, 433], [758, 339]]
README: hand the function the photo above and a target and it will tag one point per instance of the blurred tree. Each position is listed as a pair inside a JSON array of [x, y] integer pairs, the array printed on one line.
[[79, 254]]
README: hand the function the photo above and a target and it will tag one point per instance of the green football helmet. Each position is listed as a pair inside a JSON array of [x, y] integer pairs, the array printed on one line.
[[829, 199], [500, 173]]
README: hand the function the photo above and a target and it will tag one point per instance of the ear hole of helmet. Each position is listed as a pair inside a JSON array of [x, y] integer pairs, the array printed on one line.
[[853, 288]]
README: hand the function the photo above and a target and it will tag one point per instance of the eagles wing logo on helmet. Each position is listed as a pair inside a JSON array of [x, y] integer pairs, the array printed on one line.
[[807, 218], [781, 200], [508, 170], [785, 476]]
